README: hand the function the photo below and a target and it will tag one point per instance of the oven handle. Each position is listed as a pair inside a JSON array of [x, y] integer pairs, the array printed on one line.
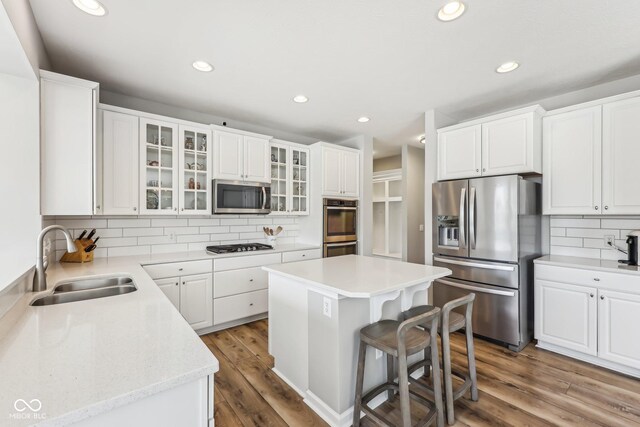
[[475, 264], [340, 208], [333, 245], [477, 289], [264, 197]]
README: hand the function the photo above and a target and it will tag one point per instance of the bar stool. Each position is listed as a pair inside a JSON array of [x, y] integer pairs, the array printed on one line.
[[451, 322], [399, 340]]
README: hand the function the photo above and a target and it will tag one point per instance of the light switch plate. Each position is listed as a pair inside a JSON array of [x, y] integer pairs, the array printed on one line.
[[326, 307]]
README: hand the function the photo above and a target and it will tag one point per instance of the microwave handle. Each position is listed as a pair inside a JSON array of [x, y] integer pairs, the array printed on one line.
[[335, 245], [264, 197], [340, 208]]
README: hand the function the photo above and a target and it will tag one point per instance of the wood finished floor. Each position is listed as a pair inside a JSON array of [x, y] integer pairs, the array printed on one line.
[[531, 388]]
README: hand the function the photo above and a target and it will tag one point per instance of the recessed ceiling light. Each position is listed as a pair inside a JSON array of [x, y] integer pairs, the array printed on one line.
[[364, 119], [507, 67], [423, 140], [450, 11], [203, 66], [300, 99], [92, 7]]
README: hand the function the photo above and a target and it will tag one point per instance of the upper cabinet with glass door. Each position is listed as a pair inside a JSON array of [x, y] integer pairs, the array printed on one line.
[[195, 166], [159, 167], [289, 178]]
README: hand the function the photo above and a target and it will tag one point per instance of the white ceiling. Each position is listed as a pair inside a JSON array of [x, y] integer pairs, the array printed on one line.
[[387, 59]]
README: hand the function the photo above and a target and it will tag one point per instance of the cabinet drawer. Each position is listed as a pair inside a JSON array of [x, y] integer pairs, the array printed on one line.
[[596, 278], [174, 269], [234, 282], [246, 261], [301, 255], [237, 307]]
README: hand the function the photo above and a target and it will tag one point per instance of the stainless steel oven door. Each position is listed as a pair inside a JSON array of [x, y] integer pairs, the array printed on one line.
[[339, 249], [495, 310], [239, 197], [340, 224]]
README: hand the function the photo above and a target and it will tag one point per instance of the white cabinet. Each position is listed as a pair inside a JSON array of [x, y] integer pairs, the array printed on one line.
[[195, 165], [68, 145], [340, 172], [120, 167], [171, 288], [620, 154], [459, 153], [512, 145], [240, 156], [158, 167], [507, 143], [589, 160], [387, 213], [566, 315], [196, 300], [618, 315], [289, 178], [572, 153], [589, 314]]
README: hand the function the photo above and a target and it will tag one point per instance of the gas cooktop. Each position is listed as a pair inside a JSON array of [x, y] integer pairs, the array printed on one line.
[[240, 247]]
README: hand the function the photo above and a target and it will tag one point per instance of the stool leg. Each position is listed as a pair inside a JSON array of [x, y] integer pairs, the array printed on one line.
[[448, 384], [357, 404], [437, 381], [471, 357], [403, 385], [390, 376]]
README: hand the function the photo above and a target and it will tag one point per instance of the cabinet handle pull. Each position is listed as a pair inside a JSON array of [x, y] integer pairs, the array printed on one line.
[[596, 208], [591, 295], [596, 279]]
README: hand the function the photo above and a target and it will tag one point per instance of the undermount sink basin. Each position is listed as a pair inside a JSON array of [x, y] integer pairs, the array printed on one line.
[[83, 295], [94, 283]]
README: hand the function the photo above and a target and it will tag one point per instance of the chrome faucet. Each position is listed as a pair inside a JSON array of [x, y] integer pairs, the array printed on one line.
[[40, 278]]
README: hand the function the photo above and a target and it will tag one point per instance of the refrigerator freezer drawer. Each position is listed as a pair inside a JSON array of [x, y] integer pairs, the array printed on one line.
[[492, 273], [495, 310]]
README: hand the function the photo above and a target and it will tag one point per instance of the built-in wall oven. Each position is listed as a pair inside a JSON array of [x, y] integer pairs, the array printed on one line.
[[340, 236], [240, 197]]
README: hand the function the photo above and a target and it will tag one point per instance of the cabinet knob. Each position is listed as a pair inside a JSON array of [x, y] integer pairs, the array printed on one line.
[[98, 207], [182, 209], [135, 209], [602, 297], [180, 269], [484, 170], [596, 208], [591, 295], [304, 255], [606, 208], [184, 283], [251, 280], [177, 283], [251, 305], [175, 209], [596, 279], [477, 170]]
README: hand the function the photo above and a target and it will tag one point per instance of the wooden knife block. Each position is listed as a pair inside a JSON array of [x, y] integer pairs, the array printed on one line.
[[80, 255]]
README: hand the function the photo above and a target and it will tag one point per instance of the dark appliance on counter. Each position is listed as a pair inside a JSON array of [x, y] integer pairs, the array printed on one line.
[[632, 249], [340, 229], [240, 247], [241, 197], [487, 231]]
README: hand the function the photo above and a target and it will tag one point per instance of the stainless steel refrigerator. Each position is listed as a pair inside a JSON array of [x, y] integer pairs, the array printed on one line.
[[487, 231]]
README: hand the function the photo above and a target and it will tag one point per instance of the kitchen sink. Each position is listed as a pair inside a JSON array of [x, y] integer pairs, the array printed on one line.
[[83, 295], [94, 283]]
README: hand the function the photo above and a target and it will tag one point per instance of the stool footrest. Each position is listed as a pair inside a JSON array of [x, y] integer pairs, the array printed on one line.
[[457, 394], [380, 419]]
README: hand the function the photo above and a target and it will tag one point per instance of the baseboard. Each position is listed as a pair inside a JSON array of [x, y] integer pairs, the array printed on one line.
[[594, 360], [289, 383], [231, 324]]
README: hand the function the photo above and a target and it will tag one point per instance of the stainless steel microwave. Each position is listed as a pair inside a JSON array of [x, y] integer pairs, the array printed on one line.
[[239, 197]]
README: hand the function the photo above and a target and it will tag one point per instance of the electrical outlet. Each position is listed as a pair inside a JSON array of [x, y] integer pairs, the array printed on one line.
[[609, 241], [421, 227], [326, 307]]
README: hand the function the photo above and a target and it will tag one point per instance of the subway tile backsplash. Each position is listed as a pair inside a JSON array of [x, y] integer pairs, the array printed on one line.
[[583, 236], [128, 236]]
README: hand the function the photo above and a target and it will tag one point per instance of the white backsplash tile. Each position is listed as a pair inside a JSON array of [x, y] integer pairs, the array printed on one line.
[[132, 235], [584, 236]]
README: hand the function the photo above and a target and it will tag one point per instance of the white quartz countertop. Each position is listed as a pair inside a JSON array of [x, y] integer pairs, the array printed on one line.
[[84, 358], [357, 276], [588, 263]]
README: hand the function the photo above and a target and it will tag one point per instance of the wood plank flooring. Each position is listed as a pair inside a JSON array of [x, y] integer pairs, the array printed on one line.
[[531, 388]]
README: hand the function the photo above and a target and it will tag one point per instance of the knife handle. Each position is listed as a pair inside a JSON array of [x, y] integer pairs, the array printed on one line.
[[82, 235], [91, 234]]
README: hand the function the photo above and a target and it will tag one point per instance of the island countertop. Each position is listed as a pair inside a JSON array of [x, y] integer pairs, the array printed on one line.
[[357, 276]]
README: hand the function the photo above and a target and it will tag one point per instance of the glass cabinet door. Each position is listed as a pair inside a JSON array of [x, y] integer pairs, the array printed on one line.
[[299, 180], [194, 170], [158, 153], [279, 179]]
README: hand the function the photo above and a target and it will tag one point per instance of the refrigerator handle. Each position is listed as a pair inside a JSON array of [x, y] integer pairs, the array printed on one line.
[[461, 225], [472, 218]]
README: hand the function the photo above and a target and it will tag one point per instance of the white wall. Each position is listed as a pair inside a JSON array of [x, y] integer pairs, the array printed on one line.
[[387, 163]]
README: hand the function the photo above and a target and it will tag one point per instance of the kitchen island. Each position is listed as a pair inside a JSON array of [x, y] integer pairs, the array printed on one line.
[[316, 309]]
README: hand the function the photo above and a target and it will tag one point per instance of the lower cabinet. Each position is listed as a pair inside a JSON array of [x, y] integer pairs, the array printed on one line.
[[236, 307], [171, 288], [589, 312]]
